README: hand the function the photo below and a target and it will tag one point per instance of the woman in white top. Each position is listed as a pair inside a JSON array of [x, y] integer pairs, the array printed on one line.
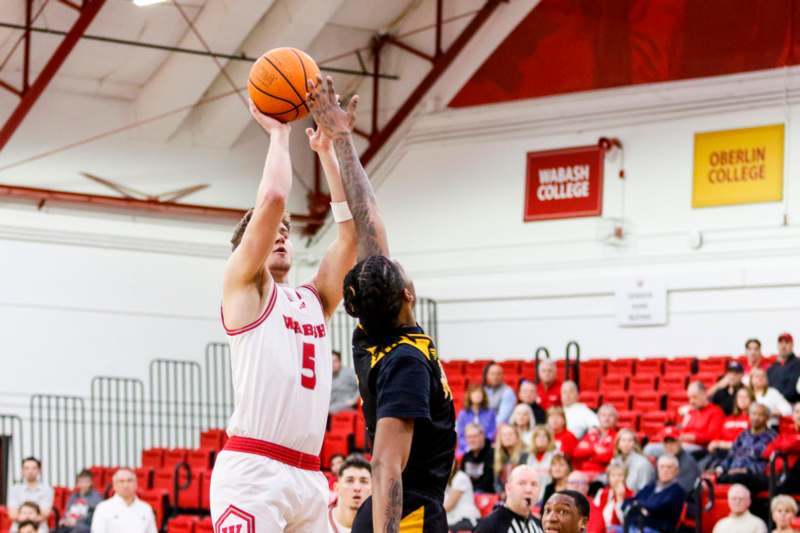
[[769, 396], [628, 454], [522, 418], [459, 501], [542, 451]]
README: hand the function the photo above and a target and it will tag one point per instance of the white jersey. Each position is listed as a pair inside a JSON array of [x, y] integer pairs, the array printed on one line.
[[281, 370]]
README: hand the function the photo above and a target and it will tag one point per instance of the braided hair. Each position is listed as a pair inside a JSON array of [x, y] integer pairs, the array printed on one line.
[[373, 293]]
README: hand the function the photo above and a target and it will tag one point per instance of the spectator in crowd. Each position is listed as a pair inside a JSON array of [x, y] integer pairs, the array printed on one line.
[[740, 520], [557, 424], [344, 387], [745, 463], [566, 511], [759, 384], [478, 462], [124, 512], [789, 443], [734, 424], [29, 512], [476, 411], [549, 387], [337, 461], [501, 397], [596, 449], [560, 469], [754, 358], [542, 451], [628, 454], [522, 491], [32, 489], [688, 470], [28, 526], [508, 453], [702, 422], [523, 420], [610, 498], [723, 392], [527, 394], [657, 507], [459, 501], [579, 482], [579, 417], [353, 486], [80, 506], [784, 373], [784, 510]]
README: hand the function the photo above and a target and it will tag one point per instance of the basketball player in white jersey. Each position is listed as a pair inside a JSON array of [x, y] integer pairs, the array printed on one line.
[[267, 478]]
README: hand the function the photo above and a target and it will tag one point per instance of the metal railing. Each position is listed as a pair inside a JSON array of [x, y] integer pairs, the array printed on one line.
[[118, 420]]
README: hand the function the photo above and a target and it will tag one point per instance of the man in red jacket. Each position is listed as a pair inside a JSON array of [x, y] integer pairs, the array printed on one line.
[[549, 386], [596, 449], [789, 443]]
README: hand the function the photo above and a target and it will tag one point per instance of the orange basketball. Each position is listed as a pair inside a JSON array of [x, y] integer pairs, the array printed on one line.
[[278, 83]]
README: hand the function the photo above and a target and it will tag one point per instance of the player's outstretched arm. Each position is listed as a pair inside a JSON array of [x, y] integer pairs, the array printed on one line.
[[341, 255], [338, 125], [273, 191], [389, 457]]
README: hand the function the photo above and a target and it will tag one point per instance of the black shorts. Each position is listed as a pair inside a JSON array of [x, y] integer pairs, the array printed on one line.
[[420, 515]]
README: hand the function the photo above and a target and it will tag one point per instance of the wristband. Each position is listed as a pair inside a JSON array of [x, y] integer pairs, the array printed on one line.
[[341, 212]]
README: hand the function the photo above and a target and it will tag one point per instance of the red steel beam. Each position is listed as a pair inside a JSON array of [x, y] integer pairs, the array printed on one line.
[[88, 12], [379, 138], [153, 207]]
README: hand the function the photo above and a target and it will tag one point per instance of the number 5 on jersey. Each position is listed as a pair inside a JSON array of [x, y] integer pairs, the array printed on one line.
[[308, 376]]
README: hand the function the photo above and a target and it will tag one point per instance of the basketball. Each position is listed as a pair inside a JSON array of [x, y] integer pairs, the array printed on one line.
[[278, 83]]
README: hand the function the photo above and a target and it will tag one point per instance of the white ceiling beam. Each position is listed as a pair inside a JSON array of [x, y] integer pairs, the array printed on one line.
[[293, 23], [183, 79]]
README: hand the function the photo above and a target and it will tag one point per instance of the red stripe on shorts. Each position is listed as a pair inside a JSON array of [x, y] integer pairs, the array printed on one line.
[[277, 452]]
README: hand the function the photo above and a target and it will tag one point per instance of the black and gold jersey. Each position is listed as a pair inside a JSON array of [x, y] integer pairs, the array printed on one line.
[[403, 378]]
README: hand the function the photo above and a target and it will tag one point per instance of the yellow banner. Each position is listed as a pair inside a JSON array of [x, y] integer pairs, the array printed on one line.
[[741, 166]]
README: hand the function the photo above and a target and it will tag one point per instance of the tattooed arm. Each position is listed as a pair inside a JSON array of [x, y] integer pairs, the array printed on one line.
[[338, 125], [389, 458]]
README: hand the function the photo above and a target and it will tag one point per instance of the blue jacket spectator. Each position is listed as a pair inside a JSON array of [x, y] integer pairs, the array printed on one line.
[[476, 411], [502, 398], [657, 507]]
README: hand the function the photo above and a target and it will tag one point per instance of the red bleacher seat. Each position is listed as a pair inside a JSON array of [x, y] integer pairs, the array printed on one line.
[[512, 380], [157, 499], [620, 367], [591, 377], [191, 496], [454, 367], [60, 497], [360, 432], [474, 376], [182, 524], [477, 366], [510, 366], [628, 419], [205, 492], [676, 399], [671, 382], [213, 439], [204, 525], [645, 402], [596, 364], [344, 421], [528, 370], [5, 522], [652, 423], [590, 398], [642, 384], [679, 365], [98, 478], [653, 366], [144, 478], [485, 502], [714, 365], [619, 399], [456, 380], [706, 378], [614, 383], [153, 458], [199, 459], [174, 456], [335, 443]]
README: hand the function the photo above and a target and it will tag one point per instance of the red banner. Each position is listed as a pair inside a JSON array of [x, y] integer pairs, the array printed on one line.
[[564, 183]]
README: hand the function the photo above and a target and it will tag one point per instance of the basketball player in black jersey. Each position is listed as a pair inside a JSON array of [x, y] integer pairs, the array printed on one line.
[[407, 404]]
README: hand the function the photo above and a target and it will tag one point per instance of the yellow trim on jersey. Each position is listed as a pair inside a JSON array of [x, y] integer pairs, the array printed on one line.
[[423, 343], [414, 522]]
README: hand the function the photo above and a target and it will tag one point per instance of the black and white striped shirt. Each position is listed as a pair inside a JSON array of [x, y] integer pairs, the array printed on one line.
[[504, 520]]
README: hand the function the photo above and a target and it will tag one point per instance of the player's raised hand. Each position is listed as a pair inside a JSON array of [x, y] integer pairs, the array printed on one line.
[[318, 141], [269, 124], [323, 102]]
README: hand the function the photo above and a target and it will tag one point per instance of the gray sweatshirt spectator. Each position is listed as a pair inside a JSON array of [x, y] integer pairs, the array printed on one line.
[[344, 388]]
